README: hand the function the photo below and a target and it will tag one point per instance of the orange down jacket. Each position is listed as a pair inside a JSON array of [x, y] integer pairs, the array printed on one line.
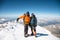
[[26, 19]]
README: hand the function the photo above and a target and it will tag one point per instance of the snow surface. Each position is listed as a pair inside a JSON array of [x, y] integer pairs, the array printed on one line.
[[15, 31]]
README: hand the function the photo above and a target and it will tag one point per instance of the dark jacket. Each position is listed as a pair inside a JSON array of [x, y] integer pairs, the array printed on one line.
[[33, 21]]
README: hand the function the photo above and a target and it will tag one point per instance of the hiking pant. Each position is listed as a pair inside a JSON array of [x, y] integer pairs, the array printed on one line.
[[26, 29]]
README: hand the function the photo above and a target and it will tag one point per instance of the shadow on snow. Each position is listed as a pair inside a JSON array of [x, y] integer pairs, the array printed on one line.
[[41, 34]]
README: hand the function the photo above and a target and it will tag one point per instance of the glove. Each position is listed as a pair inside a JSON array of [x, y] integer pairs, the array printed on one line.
[[17, 19]]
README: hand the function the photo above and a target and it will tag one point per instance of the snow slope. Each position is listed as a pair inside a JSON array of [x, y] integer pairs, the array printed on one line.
[[15, 31]]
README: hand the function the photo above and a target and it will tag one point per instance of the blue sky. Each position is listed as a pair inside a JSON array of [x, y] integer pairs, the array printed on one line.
[[14, 8]]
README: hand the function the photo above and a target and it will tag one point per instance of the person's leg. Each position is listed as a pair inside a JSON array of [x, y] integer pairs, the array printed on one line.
[[34, 31], [25, 30], [31, 29]]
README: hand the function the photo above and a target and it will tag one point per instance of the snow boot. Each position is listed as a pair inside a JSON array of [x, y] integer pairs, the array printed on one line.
[[32, 34], [26, 35]]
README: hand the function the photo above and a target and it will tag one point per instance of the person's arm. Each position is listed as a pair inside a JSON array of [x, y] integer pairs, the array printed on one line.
[[35, 21], [20, 17]]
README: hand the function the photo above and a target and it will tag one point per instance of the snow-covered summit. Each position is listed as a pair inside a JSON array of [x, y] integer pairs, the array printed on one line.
[[15, 31]]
